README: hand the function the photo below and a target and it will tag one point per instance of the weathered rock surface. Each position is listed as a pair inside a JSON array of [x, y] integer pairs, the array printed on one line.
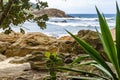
[[11, 38], [7, 39], [21, 71], [51, 13], [2, 57], [91, 37], [31, 42], [4, 46], [72, 46], [66, 38], [18, 44]]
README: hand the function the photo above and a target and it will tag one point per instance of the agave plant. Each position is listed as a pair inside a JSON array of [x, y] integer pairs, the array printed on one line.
[[112, 50]]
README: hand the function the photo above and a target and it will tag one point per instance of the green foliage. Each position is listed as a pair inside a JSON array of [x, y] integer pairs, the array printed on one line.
[[52, 63], [112, 50], [15, 12]]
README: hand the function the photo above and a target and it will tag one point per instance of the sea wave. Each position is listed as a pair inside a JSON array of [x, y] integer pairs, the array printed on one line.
[[54, 19], [83, 24]]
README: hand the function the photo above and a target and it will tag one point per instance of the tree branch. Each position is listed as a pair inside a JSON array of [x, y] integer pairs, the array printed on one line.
[[6, 11]]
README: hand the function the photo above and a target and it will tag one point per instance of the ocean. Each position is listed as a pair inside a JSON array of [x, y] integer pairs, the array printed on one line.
[[56, 26]]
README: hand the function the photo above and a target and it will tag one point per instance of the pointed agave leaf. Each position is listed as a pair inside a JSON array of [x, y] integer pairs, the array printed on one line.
[[102, 69], [118, 33], [106, 36], [93, 53], [88, 63], [83, 78], [108, 42], [79, 58], [81, 72]]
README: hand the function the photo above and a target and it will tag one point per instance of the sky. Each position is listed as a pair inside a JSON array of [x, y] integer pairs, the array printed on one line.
[[83, 6]]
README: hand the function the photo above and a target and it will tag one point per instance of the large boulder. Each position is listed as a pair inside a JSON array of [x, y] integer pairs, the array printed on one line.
[[51, 13], [69, 44], [31, 42], [91, 37]]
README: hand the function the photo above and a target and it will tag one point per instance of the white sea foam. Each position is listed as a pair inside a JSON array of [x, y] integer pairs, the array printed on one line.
[[80, 24], [77, 18]]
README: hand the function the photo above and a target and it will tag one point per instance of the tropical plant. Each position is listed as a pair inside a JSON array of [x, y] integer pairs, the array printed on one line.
[[16, 12], [53, 61], [112, 50]]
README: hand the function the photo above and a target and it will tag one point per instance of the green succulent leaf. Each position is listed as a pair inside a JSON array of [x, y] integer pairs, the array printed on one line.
[[118, 34], [81, 72], [92, 52], [108, 43], [79, 58]]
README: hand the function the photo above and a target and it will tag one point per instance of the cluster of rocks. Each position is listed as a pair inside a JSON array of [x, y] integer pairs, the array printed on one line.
[[35, 44], [18, 44]]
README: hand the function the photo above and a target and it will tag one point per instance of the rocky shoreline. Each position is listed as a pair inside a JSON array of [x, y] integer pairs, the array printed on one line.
[[18, 44], [19, 50]]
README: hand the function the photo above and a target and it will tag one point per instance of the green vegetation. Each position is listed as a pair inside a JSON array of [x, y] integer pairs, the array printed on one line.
[[52, 63], [16, 12], [112, 51]]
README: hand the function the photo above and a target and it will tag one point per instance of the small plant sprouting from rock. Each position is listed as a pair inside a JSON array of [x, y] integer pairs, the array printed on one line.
[[53, 61]]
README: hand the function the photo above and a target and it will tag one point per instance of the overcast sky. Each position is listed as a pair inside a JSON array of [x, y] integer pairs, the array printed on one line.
[[83, 6]]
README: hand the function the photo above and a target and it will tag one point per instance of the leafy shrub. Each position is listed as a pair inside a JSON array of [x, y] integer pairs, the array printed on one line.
[[16, 12]]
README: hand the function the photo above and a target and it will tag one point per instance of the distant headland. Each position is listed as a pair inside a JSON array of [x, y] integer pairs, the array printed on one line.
[[51, 12]]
